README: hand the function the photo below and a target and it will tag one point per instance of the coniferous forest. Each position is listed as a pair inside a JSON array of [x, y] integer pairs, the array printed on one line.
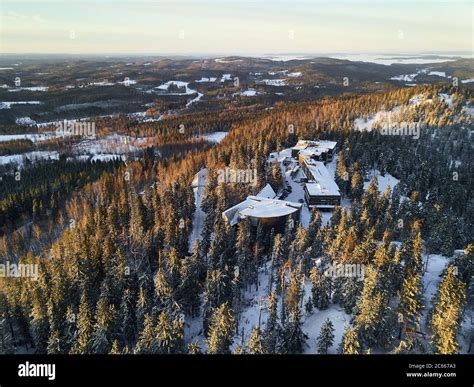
[[131, 262]]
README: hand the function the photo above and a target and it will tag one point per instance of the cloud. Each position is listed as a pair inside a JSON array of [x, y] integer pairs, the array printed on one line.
[[38, 19], [16, 17]]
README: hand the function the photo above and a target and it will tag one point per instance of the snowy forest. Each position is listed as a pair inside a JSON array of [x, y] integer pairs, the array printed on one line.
[[130, 262]]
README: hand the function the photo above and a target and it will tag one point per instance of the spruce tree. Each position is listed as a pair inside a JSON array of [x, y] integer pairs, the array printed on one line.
[[411, 298], [350, 344], [270, 336], [292, 338], [6, 340], [446, 316], [85, 328], [194, 349], [221, 331], [320, 289], [326, 337], [371, 308], [357, 185], [169, 334], [104, 328], [255, 343], [147, 342]]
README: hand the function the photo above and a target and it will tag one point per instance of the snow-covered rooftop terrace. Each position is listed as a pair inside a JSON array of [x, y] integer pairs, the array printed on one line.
[[323, 184]]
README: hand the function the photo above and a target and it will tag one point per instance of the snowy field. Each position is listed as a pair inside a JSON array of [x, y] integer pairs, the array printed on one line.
[[32, 156], [383, 181], [214, 137]]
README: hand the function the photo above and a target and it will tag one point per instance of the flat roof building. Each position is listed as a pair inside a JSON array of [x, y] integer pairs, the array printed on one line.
[[322, 150], [321, 190]]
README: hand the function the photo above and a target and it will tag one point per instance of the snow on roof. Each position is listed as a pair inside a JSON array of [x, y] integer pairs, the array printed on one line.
[[259, 207], [315, 146], [323, 184], [327, 144], [269, 208], [312, 151], [267, 192]]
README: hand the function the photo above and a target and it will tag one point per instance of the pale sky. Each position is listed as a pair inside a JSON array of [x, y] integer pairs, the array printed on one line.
[[196, 27]]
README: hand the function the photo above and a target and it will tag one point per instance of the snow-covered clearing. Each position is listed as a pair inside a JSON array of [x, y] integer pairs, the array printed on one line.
[[8, 105], [181, 85], [19, 159], [215, 136], [34, 88], [404, 78], [397, 115], [226, 77], [34, 137], [248, 93], [383, 181]]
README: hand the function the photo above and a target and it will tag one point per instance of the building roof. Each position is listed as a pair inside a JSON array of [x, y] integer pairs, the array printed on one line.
[[323, 184], [260, 207], [267, 192], [269, 208], [312, 151], [315, 147]]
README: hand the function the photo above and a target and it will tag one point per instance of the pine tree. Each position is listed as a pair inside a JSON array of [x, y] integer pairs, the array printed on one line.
[[194, 348], [115, 350], [54, 343], [221, 331], [6, 340], [255, 344], [169, 334], [85, 328], [39, 322], [279, 254], [294, 292], [292, 338], [342, 174], [351, 289], [326, 337], [320, 289], [147, 342], [104, 327], [357, 185], [190, 286], [127, 319], [350, 344], [411, 298], [69, 331], [446, 316], [465, 264], [270, 336], [369, 319], [218, 291]]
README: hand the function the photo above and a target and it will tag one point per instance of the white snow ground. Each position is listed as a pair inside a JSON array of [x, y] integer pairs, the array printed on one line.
[[383, 181], [199, 185], [21, 158], [215, 136]]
